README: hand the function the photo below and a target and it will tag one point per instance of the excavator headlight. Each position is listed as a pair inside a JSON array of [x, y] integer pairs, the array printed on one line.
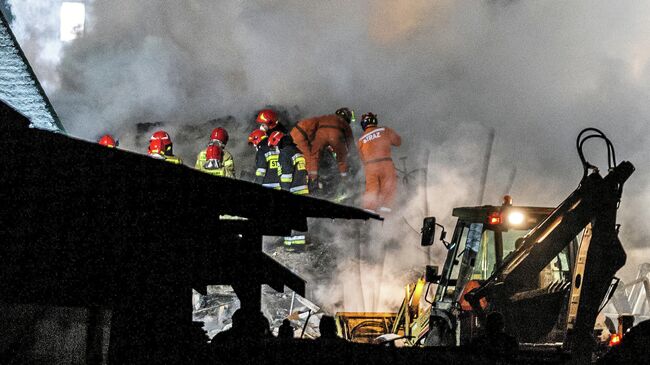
[[515, 218]]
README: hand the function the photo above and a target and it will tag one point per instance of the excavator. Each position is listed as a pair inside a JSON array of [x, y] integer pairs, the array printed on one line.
[[549, 271]]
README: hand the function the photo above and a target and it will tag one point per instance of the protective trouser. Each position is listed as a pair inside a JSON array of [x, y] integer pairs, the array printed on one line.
[[381, 185], [328, 136]]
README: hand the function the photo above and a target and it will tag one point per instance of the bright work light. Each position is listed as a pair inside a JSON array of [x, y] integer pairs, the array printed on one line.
[[515, 218]]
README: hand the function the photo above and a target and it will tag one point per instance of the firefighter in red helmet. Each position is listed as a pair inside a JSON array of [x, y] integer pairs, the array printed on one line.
[[293, 177], [266, 160], [207, 160], [108, 141], [270, 121], [292, 166], [161, 147]]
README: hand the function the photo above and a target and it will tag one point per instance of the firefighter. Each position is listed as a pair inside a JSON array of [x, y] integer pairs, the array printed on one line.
[[375, 153], [292, 167], [160, 146], [266, 160], [314, 135], [270, 122], [293, 177], [217, 156], [108, 141]]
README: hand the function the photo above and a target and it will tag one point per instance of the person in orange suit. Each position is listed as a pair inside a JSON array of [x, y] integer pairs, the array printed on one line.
[[375, 153], [313, 135]]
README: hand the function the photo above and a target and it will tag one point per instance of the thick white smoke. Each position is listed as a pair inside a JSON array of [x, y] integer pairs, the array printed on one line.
[[443, 73], [36, 25]]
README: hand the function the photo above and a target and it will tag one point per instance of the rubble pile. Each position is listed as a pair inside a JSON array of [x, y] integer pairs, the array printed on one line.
[[318, 260]]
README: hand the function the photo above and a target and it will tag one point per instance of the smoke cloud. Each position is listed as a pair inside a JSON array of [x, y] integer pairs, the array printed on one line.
[[443, 73]]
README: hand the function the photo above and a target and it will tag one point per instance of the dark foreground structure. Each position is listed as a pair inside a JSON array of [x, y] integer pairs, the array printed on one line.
[[108, 231], [100, 228], [313, 352]]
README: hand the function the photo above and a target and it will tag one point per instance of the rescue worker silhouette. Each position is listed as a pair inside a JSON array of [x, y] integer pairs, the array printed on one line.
[[161, 147], [293, 177], [375, 153], [495, 344], [266, 160], [285, 330], [314, 135], [108, 141], [327, 329], [215, 160], [270, 121]]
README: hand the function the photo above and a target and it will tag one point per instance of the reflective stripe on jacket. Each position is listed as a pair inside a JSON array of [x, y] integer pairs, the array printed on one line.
[[376, 143], [292, 170], [266, 167]]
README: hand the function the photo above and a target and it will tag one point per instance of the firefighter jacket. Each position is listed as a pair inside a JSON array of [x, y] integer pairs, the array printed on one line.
[[266, 164], [305, 130], [303, 133], [292, 170], [227, 170], [339, 125], [375, 144], [312, 135]]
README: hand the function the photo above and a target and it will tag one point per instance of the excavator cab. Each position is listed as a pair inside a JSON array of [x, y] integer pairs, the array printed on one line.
[[483, 237]]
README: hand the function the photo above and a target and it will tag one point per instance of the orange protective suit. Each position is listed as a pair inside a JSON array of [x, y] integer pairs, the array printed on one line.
[[313, 135], [381, 179]]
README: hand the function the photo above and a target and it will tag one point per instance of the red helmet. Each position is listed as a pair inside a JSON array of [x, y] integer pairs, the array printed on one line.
[[160, 143], [219, 134], [256, 137], [268, 117], [108, 141], [274, 138]]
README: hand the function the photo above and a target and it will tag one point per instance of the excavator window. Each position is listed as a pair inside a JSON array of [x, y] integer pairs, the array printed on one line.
[[486, 254], [452, 264], [491, 252]]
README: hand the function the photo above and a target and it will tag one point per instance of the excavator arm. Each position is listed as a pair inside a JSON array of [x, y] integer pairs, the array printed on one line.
[[594, 203]]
